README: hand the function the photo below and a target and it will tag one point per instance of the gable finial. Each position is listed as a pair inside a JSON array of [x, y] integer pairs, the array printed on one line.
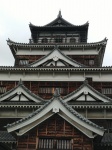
[[85, 81], [56, 46], [57, 92], [59, 14], [20, 82]]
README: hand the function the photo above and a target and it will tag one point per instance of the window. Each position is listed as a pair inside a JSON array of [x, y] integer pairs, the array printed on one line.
[[72, 40], [107, 90], [89, 62], [23, 62], [51, 90], [44, 40], [2, 89], [54, 143], [58, 40]]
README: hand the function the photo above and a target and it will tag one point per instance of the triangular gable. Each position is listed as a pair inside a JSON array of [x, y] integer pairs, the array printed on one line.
[[19, 94], [59, 21], [55, 58], [86, 93], [56, 105]]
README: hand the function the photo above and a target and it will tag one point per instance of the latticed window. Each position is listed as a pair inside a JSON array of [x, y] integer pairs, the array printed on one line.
[[2, 89], [54, 143], [107, 90], [23, 62]]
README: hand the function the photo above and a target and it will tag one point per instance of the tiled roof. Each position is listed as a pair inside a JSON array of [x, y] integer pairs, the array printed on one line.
[[6, 137], [60, 19], [70, 109], [102, 42], [31, 115], [27, 90], [26, 68], [90, 87], [12, 104], [42, 58], [75, 113], [107, 138], [84, 104]]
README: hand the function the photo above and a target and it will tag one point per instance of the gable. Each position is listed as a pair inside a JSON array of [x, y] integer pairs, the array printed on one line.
[[49, 133], [59, 21], [86, 93], [56, 106], [55, 58], [20, 94]]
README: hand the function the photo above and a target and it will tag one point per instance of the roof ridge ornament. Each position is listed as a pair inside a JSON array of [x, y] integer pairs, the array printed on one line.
[[20, 82], [56, 46], [85, 81], [59, 14], [56, 93]]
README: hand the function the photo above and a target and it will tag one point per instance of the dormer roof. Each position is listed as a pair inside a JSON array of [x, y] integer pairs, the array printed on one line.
[[86, 93], [20, 94], [55, 56]]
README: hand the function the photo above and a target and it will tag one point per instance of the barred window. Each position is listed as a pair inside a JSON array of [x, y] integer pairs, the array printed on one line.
[[23, 62], [51, 90], [2, 89], [54, 143], [107, 90]]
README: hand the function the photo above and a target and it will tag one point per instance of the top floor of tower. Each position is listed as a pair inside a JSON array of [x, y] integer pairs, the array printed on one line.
[[59, 31]]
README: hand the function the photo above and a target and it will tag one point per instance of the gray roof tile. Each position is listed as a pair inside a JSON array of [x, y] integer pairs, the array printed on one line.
[[6, 137]]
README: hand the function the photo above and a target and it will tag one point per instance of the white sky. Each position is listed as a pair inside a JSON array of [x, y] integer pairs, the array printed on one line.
[[15, 16]]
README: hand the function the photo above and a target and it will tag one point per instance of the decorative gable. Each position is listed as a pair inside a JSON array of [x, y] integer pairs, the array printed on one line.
[[20, 94], [57, 59], [86, 93], [59, 21]]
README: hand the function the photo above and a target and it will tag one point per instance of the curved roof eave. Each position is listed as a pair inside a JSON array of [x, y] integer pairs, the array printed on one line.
[[90, 87], [20, 84], [59, 18], [70, 59], [51, 105], [12, 43]]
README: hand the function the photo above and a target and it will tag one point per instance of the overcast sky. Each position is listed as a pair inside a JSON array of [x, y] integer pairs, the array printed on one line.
[[15, 16]]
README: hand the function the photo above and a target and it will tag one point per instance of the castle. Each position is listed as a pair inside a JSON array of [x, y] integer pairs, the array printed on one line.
[[57, 95]]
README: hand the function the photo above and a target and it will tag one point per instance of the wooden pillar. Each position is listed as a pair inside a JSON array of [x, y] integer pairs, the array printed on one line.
[[37, 139]]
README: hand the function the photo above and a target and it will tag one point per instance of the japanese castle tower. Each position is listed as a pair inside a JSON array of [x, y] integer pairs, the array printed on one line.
[[57, 96]]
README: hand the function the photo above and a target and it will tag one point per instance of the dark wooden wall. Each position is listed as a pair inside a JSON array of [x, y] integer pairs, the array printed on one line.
[[49, 87], [54, 133]]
